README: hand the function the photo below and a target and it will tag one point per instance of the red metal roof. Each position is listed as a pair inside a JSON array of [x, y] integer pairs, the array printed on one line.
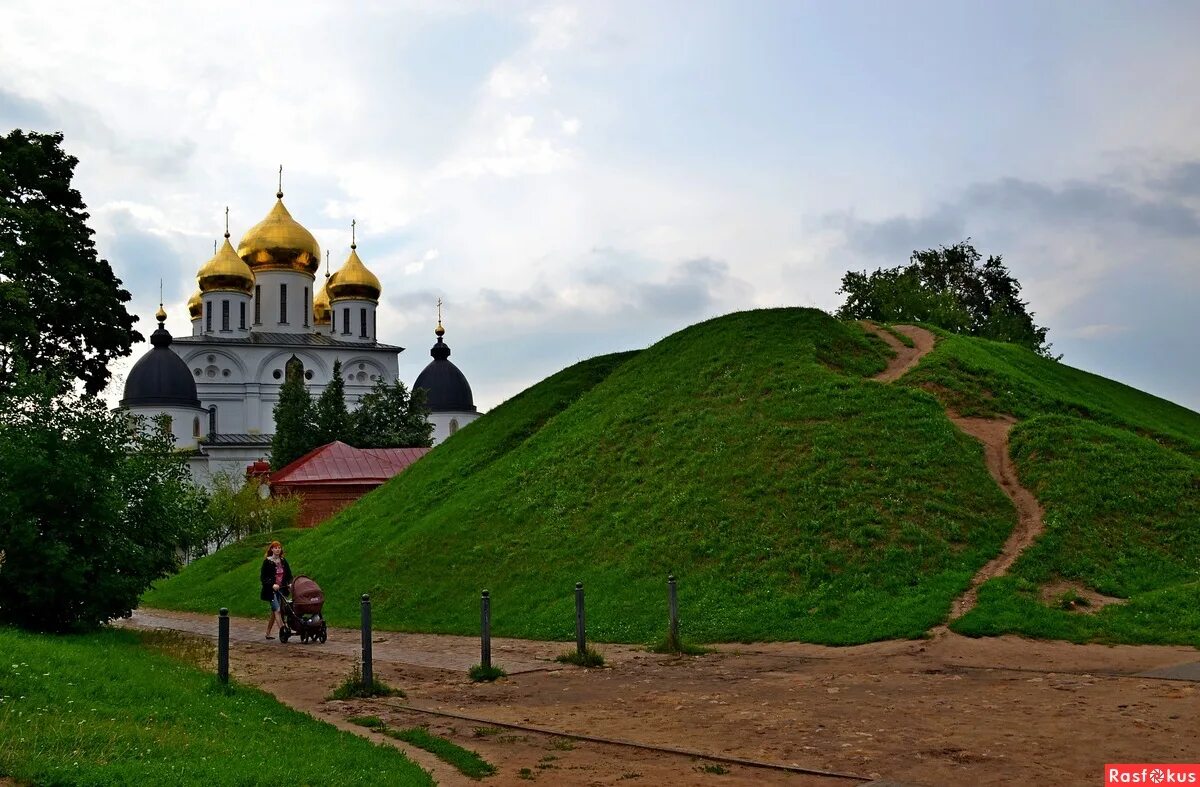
[[338, 463]]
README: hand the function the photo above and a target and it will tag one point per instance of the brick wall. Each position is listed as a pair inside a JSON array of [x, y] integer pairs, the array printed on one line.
[[322, 502]]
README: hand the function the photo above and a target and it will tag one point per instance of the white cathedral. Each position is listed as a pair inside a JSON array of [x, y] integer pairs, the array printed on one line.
[[258, 310]]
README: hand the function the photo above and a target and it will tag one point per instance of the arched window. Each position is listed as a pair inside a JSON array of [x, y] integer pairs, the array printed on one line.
[[453, 425], [196, 427], [294, 368], [165, 423]]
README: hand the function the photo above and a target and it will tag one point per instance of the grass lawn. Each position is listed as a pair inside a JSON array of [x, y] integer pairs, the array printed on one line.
[[103, 709]]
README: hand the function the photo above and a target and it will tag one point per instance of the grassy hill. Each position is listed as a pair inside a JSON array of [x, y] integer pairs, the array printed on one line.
[[751, 456], [1118, 474]]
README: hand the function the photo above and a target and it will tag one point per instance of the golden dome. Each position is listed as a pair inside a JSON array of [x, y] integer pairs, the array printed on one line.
[[195, 306], [353, 280], [321, 308], [161, 314], [226, 271], [278, 242]]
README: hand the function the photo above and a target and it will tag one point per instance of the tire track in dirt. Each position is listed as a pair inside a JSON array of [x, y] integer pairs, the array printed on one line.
[[993, 434]]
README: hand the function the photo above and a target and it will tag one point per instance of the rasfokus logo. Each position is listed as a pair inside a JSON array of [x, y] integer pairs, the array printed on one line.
[[1151, 773]]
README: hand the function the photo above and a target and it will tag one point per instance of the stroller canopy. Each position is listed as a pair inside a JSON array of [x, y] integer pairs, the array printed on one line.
[[307, 596]]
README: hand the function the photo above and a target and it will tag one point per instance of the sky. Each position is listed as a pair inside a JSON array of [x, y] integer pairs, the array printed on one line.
[[574, 179]]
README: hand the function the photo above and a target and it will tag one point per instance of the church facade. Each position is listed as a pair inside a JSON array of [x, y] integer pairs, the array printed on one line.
[[256, 311]]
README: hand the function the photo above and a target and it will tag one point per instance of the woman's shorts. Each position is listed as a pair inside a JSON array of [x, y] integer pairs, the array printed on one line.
[[275, 603]]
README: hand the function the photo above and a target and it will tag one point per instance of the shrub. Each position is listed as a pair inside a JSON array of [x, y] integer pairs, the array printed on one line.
[[235, 509], [96, 507]]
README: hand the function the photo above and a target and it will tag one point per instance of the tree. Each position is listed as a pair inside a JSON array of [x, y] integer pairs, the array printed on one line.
[[947, 287], [235, 508], [389, 417], [332, 417], [60, 306], [295, 419], [94, 510]]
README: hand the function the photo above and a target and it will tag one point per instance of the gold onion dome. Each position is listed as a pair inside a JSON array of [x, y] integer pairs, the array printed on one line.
[[353, 280], [226, 271], [195, 306], [321, 307], [279, 242], [161, 314]]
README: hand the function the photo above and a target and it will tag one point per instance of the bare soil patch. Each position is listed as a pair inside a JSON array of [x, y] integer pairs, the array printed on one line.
[[1076, 597], [950, 710]]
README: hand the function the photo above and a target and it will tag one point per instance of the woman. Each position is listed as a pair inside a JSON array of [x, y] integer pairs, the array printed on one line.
[[276, 577]]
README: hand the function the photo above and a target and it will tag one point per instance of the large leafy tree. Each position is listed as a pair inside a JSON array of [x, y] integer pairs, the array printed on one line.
[[61, 307], [295, 418], [390, 417], [952, 287], [94, 510], [332, 417]]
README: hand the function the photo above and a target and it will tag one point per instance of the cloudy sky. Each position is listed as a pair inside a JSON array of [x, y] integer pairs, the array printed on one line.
[[574, 179]]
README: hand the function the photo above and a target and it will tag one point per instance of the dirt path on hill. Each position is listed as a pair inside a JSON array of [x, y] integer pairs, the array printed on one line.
[[993, 434], [906, 357], [951, 710]]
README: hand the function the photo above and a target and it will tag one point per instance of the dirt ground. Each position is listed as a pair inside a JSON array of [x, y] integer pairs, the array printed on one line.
[[948, 710]]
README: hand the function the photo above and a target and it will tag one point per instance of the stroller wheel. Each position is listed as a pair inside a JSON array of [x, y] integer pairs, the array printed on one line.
[[284, 634], [324, 634]]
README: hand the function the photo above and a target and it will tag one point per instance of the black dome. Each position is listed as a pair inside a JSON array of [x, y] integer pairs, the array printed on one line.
[[446, 388], [160, 377]]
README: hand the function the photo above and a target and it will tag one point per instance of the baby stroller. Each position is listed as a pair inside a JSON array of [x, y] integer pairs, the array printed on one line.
[[302, 615]]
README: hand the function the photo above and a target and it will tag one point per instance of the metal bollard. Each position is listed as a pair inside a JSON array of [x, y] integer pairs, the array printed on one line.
[[223, 646], [580, 623], [485, 632], [367, 674], [673, 603]]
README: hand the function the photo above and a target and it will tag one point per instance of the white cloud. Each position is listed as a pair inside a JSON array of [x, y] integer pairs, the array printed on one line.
[[419, 265], [510, 81]]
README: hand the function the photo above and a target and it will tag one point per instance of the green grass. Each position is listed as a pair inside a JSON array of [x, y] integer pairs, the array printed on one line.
[[589, 658], [353, 687], [981, 377], [749, 455], [482, 674], [1122, 518], [466, 761], [152, 719]]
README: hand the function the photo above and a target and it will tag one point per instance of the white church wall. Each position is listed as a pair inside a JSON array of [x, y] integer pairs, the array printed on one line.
[[299, 307], [352, 331], [447, 423], [239, 379], [225, 460], [183, 422]]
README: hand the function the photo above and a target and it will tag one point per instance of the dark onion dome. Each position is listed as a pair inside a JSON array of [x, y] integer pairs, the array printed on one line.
[[446, 388], [160, 377]]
